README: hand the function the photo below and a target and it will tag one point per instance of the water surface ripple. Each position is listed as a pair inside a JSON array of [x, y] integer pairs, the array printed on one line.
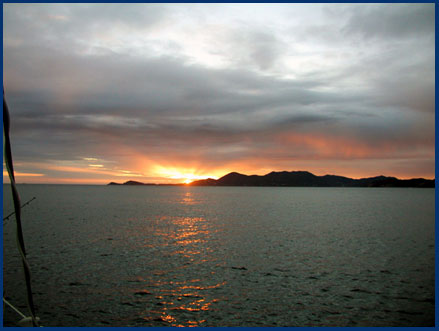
[[224, 256]]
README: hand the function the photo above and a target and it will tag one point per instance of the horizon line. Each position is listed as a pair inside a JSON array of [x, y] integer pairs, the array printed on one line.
[[188, 184]]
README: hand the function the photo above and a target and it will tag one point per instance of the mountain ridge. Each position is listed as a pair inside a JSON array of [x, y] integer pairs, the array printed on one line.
[[307, 179], [301, 179]]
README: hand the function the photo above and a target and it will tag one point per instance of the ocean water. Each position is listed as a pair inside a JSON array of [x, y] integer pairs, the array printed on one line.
[[224, 256]]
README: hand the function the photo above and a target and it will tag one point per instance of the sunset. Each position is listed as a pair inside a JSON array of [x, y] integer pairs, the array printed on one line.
[[219, 165], [163, 93]]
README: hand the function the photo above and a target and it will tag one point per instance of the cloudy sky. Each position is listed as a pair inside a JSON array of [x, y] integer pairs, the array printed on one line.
[[171, 92]]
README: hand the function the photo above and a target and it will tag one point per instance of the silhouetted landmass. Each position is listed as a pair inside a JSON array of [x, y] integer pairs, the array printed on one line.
[[300, 179], [307, 179], [130, 182], [133, 183]]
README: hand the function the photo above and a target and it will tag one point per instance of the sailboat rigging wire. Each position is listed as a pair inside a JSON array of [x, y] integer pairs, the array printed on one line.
[[23, 205], [16, 199], [13, 308]]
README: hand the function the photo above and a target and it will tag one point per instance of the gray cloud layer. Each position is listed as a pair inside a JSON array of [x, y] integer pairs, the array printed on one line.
[[77, 88]]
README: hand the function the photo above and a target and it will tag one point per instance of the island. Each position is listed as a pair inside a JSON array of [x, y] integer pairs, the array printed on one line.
[[301, 179]]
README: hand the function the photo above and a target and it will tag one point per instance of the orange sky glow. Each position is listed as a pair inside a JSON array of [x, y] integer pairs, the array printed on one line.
[[165, 97], [172, 174]]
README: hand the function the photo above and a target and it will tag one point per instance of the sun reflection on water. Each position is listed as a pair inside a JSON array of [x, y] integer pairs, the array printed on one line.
[[181, 296], [188, 199]]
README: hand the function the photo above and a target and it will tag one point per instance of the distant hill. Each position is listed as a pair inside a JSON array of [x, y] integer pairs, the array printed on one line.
[[307, 179], [134, 183], [300, 179], [130, 182]]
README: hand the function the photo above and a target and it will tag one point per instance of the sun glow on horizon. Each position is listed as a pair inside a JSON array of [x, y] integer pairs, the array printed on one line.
[[186, 175]]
